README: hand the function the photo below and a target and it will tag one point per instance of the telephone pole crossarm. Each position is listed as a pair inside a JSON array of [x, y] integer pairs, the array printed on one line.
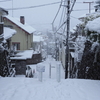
[[89, 5]]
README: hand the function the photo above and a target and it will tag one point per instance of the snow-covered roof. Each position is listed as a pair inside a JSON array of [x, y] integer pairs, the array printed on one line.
[[93, 14], [23, 55], [82, 16], [94, 25], [3, 10], [97, 1], [27, 54], [27, 28], [8, 32]]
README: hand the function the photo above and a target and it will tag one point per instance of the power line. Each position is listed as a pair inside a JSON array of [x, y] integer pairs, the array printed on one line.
[[77, 2], [63, 15], [34, 6], [72, 6], [4, 0], [73, 17], [89, 5], [81, 9], [57, 12], [60, 27], [40, 6]]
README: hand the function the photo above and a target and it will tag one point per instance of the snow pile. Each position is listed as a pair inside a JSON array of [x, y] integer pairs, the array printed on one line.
[[1, 48], [21, 88], [23, 55], [97, 1], [80, 40], [94, 45], [32, 89], [8, 33], [94, 25]]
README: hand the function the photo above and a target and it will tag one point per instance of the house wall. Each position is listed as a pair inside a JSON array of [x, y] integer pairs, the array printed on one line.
[[36, 46], [62, 56], [21, 37]]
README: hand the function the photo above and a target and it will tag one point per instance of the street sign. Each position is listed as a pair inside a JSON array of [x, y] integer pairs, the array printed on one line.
[[40, 68]]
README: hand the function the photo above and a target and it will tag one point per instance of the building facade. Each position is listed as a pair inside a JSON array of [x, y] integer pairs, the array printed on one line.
[[23, 40]]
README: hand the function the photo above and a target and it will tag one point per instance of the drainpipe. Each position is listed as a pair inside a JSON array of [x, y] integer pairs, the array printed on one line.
[[27, 41]]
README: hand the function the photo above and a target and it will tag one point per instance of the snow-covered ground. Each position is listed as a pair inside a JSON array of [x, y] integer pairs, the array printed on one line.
[[21, 88]]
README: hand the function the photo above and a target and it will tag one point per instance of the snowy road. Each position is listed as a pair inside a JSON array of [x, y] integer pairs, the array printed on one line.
[[21, 88], [32, 89]]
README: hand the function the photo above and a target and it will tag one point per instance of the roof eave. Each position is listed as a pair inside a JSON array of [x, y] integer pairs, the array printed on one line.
[[18, 26]]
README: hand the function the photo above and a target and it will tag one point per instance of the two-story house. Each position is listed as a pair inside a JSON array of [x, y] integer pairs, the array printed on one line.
[[23, 40]]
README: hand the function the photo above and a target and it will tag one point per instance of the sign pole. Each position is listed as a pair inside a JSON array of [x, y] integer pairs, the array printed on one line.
[[50, 71], [58, 72]]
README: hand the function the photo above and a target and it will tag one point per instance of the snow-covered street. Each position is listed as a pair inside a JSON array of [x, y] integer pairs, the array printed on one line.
[[21, 88], [32, 89], [50, 50]]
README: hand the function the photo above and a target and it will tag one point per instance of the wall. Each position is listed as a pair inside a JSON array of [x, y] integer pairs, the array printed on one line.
[[62, 55], [20, 67], [36, 58], [25, 39]]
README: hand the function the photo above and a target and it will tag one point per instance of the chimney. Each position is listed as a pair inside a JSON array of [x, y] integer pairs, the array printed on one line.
[[22, 19]]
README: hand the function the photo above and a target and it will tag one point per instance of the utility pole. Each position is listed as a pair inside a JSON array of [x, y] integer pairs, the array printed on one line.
[[89, 5], [67, 56], [67, 37]]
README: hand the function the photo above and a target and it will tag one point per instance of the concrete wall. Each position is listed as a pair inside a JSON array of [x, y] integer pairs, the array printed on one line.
[[62, 55], [20, 67]]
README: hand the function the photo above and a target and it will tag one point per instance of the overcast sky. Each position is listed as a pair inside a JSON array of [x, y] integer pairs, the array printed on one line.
[[42, 17]]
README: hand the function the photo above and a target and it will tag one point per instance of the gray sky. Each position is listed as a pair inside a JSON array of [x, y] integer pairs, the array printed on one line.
[[42, 17]]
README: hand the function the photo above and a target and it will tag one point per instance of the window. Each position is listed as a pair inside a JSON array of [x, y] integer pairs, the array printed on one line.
[[16, 45]]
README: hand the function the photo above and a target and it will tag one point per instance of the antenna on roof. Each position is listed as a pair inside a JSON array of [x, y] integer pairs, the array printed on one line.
[[12, 8]]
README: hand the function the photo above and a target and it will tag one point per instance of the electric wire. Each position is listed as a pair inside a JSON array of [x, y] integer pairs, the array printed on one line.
[[62, 19], [5, 0], [62, 15], [72, 6], [73, 17], [81, 9], [19, 8], [57, 12], [59, 27]]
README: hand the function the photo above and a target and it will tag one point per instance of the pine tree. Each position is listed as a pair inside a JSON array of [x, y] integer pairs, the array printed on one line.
[[85, 62], [4, 66]]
